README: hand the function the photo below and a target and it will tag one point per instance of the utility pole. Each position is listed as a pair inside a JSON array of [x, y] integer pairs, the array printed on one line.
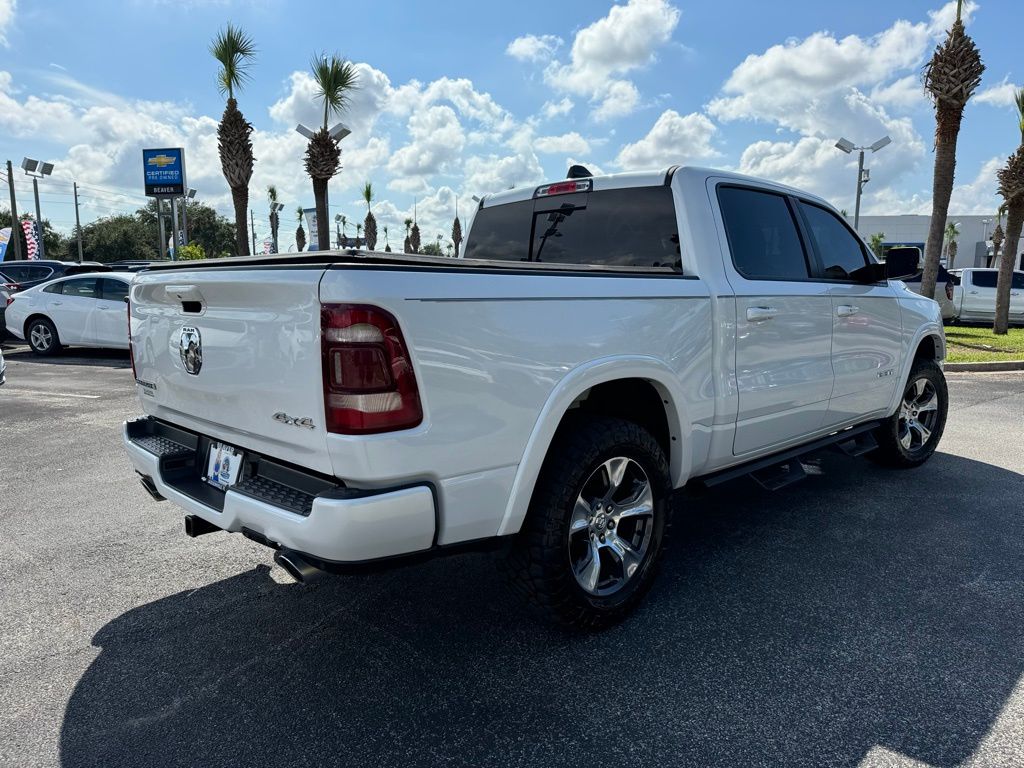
[[78, 225], [163, 234], [15, 235], [252, 228], [174, 226]]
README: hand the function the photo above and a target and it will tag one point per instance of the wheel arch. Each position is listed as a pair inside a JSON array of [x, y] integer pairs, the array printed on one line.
[[37, 316], [928, 343], [618, 374]]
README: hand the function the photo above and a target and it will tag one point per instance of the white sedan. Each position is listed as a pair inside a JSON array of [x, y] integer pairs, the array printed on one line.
[[86, 310]]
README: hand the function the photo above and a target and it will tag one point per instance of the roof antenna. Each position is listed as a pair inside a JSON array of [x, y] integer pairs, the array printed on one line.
[[578, 172]]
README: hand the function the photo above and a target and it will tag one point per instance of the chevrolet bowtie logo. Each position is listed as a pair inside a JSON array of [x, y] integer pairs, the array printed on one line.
[[160, 161]]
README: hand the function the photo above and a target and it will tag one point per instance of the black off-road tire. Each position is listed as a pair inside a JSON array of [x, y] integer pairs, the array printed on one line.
[[891, 452], [42, 326], [538, 564]]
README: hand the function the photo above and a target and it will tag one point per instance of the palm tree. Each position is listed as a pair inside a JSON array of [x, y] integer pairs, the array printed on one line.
[[274, 220], [300, 233], [875, 241], [997, 235], [344, 234], [951, 77], [457, 229], [335, 80], [359, 234], [407, 248], [387, 242], [235, 51], [951, 233], [370, 225], [1011, 187]]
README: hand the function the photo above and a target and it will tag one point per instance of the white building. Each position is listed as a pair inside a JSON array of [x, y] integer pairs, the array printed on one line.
[[974, 244]]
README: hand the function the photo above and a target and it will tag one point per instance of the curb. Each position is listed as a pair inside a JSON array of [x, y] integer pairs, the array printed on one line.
[[993, 366]]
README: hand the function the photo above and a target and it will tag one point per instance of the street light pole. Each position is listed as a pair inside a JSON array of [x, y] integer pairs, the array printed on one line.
[[863, 174], [252, 226], [15, 236], [78, 225]]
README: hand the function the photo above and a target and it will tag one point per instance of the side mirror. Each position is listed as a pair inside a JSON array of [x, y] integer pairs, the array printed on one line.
[[901, 263]]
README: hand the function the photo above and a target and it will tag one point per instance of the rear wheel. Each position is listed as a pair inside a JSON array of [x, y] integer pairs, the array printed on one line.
[[590, 545], [42, 337], [911, 435]]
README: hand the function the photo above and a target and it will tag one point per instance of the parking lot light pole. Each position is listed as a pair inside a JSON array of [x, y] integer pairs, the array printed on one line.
[[37, 170], [863, 174], [14, 215]]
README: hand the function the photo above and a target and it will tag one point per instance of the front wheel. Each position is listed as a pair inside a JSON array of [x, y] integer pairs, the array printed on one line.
[[911, 435], [590, 545]]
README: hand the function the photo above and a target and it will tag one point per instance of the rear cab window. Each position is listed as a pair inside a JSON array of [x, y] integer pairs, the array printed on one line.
[[633, 227], [984, 279]]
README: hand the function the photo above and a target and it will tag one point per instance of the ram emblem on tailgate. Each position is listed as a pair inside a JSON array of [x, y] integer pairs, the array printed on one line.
[[190, 346]]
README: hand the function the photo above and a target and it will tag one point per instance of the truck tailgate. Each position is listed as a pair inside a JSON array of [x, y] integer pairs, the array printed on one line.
[[223, 351]]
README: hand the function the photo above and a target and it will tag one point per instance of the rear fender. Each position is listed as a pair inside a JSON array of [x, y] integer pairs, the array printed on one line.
[[569, 389]]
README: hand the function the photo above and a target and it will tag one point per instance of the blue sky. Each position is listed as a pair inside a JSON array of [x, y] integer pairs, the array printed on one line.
[[460, 98]]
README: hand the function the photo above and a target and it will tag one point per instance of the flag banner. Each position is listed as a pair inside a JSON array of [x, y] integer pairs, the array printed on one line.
[[31, 239], [311, 233], [268, 246]]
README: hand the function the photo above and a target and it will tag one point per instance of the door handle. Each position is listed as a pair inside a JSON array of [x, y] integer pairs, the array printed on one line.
[[973, 293], [760, 314], [847, 310], [56, 303]]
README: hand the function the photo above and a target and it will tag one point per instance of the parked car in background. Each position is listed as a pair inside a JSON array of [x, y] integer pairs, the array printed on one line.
[[135, 265], [31, 273], [974, 295], [86, 310], [944, 284], [3, 368], [7, 287]]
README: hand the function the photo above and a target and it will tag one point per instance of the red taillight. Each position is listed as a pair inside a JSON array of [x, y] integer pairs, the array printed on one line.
[[563, 188], [369, 385], [131, 349], [10, 300], [949, 291]]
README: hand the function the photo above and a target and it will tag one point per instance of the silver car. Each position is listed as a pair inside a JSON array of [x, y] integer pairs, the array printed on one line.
[[944, 284], [3, 368]]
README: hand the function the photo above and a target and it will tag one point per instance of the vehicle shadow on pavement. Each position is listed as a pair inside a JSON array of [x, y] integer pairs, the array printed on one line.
[[107, 358], [866, 609]]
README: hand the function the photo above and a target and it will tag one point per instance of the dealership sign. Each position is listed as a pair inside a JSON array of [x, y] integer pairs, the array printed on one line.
[[164, 171]]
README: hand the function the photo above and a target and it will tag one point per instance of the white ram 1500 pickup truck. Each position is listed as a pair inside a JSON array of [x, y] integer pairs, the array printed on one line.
[[604, 341]]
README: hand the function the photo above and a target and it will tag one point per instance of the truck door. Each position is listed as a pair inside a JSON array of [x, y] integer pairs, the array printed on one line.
[[783, 320], [866, 325]]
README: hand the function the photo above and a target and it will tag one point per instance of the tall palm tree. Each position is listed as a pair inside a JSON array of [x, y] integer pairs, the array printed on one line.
[[335, 80], [344, 234], [951, 233], [359, 234], [414, 235], [387, 242], [951, 78], [457, 229], [370, 225], [407, 248], [875, 241], [272, 199], [997, 235], [300, 233], [1011, 187], [235, 51]]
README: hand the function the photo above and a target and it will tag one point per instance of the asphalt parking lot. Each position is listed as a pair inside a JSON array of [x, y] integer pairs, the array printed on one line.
[[863, 617]]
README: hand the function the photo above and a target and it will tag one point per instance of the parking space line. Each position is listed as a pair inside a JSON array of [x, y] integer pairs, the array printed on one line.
[[43, 392]]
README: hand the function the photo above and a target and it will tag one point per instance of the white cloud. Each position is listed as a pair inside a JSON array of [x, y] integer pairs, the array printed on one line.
[[436, 139], [905, 93], [1001, 95], [978, 196], [673, 140], [624, 40], [570, 142], [557, 108], [7, 8], [534, 48]]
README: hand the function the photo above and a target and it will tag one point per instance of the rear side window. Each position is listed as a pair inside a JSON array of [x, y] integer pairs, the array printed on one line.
[[840, 251], [54, 288], [1018, 281], [984, 279], [84, 288], [763, 236], [114, 290], [615, 227]]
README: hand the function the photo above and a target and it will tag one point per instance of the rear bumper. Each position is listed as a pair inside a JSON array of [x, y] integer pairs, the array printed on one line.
[[305, 513]]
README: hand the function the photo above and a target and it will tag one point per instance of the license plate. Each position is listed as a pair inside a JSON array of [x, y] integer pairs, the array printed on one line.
[[223, 466]]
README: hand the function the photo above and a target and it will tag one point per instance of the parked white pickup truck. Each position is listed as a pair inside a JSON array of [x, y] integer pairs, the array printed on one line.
[[604, 341]]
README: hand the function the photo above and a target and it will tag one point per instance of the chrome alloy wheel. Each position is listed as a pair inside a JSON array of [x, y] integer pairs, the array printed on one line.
[[919, 413], [41, 337], [611, 526]]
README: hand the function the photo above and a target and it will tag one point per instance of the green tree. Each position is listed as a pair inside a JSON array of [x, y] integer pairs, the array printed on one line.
[[432, 249], [370, 224], [1011, 187], [274, 218], [456, 229], [206, 228], [875, 241], [119, 237], [950, 78], [300, 233], [407, 246], [951, 233], [235, 51], [335, 80], [191, 252], [387, 242]]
